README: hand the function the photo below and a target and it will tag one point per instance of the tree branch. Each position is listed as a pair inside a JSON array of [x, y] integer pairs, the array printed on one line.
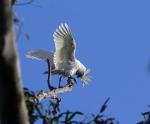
[[54, 93], [49, 74]]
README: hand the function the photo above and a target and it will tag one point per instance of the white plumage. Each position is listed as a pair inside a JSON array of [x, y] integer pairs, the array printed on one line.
[[63, 59]]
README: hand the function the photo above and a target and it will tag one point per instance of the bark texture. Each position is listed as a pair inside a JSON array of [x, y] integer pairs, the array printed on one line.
[[12, 104]]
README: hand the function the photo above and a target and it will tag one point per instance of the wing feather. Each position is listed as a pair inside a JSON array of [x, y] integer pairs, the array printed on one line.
[[41, 55], [65, 46]]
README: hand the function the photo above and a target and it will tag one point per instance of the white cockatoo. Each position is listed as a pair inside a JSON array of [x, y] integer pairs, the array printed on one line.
[[63, 61]]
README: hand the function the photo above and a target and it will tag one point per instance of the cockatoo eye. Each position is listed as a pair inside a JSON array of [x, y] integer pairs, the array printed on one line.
[[79, 73]]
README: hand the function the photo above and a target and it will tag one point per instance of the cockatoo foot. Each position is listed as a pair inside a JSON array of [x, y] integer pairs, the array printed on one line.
[[52, 88], [71, 80]]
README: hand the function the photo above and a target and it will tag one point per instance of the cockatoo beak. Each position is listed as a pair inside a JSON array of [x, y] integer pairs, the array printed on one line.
[[85, 78]]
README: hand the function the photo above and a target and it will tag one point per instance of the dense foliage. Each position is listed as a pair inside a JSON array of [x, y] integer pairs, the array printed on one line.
[[51, 114]]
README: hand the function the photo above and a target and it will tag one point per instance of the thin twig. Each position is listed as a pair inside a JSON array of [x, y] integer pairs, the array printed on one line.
[[25, 3], [29, 2], [49, 75], [39, 111]]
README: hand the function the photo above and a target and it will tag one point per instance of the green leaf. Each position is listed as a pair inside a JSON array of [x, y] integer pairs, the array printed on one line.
[[104, 106]]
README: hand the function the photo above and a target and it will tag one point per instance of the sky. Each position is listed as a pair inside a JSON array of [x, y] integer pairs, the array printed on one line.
[[113, 40]]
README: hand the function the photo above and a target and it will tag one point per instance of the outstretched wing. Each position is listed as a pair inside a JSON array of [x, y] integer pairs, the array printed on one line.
[[65, 46], [41, 55]]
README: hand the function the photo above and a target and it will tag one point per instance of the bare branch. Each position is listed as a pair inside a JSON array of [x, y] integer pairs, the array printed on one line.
[[54, 93], [49, 75]]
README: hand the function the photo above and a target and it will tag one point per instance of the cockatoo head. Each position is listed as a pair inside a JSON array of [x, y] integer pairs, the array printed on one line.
[[82, 74]]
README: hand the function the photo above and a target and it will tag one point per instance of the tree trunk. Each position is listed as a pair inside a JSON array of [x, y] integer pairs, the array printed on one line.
[[12, 103]]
